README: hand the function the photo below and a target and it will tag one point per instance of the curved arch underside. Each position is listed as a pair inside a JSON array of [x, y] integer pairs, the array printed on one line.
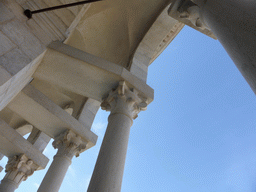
[[113, 29]]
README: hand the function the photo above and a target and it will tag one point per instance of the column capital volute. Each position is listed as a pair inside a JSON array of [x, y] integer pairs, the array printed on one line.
[[19, 168], [69, 144], [124, 100]]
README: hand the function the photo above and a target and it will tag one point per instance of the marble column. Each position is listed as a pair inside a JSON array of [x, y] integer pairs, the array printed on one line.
[[69, 144], [233, 23], [18, 169], [124, 104]]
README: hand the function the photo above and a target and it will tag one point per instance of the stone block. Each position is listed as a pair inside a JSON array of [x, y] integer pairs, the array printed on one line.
[[20, 34], [88, 112], [3, 90], [6, 44], [15, 144], [5, 14], [4, 76], [49, 22], [16, 9], [36, 29], [139, 70], [85, 74], [38, 139], [45, 115], [65, 14], [14, 61], [14, 85]]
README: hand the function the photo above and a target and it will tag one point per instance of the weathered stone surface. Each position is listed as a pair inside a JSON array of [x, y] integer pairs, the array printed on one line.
[[14, 61], [48, 117], [85, 74], [15, 144], [4, 76], [39, 32], [6, 14], [49, 22], [14, 85], [20, 34], [6, 44], [88, 112], [65, 14], [38, 139]]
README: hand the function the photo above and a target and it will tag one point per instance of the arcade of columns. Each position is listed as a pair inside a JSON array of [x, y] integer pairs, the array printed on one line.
[[57, 93]]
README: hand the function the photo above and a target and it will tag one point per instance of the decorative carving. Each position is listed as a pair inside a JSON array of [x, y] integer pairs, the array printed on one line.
[[188, 12], [69, 144], [69, 108], [192, 14], [125, 101], [19, 168]]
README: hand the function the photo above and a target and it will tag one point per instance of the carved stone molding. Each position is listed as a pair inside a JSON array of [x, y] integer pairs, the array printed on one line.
[[19, 168], [69, 144], [124, 100]]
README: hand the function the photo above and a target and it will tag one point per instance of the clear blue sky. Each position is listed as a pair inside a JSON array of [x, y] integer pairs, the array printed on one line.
[[198, 135]]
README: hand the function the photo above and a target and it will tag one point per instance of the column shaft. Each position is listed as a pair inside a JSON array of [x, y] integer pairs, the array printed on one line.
[[55, 175], [233, 23], [124, 104], [8, 186], [68, 144], [108, 172]]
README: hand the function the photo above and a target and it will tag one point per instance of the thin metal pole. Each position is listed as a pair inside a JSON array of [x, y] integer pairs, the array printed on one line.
[[29, 13]]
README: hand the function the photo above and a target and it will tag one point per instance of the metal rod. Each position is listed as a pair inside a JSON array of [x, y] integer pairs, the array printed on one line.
[[29, 13]]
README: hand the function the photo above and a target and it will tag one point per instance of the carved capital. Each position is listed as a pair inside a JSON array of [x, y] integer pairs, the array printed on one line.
[[19, 168], [189, 13], [69, 144], [124, 100]]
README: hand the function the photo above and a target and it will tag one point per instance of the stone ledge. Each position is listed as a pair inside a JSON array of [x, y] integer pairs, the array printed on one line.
[[15, 144], [48, 117], [13, 85], [86, 74]]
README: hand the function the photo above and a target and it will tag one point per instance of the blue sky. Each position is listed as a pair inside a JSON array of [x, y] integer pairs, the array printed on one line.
[[198, 135]]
